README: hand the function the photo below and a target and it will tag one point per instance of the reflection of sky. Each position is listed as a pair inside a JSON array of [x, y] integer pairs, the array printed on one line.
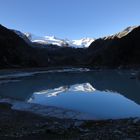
[[66, 84], [99, 104]]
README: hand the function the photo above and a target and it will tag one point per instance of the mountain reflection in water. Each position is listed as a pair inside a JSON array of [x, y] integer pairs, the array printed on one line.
[[106, 85]]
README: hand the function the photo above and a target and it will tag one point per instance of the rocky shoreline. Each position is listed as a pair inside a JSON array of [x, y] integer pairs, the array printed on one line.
[[25, 125]]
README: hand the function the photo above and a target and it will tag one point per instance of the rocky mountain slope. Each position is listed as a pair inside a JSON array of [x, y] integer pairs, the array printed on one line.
[[116, 51], [13, 49], [18, 51], [119, 50]]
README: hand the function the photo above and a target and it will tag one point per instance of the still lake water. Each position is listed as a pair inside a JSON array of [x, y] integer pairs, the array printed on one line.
[[102, 94]]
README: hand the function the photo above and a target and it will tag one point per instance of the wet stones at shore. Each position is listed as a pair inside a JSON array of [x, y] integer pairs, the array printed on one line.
[[20, 124], [5, 106]]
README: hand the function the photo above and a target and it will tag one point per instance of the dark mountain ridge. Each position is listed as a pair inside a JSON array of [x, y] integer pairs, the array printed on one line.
[[119, 50], [13, 49], [116, 50], [16, 52]]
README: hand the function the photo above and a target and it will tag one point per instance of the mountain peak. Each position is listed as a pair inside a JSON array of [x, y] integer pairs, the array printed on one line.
[[126, 31], [121, 34], [130, 28], [52, 40]]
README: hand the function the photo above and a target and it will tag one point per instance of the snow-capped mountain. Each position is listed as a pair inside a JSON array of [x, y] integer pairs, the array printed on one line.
[[50, 40], [46, 40], [77, 88], [122, 33], [82, 43]]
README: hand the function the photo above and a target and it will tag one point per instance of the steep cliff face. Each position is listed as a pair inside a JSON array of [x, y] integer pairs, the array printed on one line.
[[122, 49], [16, 52], [13, 49]]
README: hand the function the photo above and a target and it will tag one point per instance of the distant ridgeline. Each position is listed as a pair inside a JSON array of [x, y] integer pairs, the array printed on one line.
[[119, 50]]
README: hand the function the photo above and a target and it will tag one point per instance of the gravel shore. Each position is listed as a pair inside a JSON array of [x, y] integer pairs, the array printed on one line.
[[25, 125]]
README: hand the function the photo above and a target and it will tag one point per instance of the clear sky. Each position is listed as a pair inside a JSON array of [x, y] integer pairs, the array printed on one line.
[[71, 19]]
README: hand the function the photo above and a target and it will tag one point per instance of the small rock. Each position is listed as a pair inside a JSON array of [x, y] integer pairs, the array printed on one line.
[[78, 123], [67, 125], [136, 120], [118, 132], [5, 106], [83, 130]]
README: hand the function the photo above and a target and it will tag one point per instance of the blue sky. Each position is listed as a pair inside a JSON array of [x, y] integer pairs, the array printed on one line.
[[71, 19]]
